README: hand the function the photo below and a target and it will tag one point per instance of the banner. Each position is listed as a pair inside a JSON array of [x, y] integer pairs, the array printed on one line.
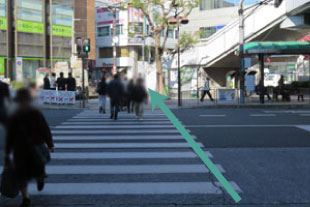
[[56, 97], [2, 66], [31, 27], [227, 94], [62, 31], [3, 23]]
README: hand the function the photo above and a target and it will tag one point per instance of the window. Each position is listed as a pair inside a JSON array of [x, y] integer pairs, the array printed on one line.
[[119, 29], [215, 4], [107, 52], [170, 33], [207, 32], [2, 8], [30, 10], [103, 31]]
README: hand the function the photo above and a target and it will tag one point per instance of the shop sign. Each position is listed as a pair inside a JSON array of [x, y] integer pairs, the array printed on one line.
[[31, 27]]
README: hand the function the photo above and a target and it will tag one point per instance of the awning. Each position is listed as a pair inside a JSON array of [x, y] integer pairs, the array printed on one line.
[[272, 48]]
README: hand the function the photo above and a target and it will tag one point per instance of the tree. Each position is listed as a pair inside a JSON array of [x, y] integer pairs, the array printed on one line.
[[158, 13]]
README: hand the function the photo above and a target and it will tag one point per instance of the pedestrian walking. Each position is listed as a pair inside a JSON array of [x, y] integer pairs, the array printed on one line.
[[53, 81], [61, 82], [4, 96], [27, 134], [46, 84], [71, 83], [130, 102], [102, 91], [206, 90], [115, 92], [139, 97]]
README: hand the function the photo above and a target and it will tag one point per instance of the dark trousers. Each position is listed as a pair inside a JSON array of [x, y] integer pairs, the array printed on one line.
[[204, 94], [115, 107]]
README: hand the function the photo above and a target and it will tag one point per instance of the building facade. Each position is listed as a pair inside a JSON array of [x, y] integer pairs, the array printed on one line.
[[38, 34], [135, 48]]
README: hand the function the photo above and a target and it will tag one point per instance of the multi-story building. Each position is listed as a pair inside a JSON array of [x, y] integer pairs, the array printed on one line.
[[135, 49], [38, 33]]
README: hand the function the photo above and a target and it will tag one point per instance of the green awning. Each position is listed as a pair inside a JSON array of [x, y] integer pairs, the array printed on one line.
[[273, 48]]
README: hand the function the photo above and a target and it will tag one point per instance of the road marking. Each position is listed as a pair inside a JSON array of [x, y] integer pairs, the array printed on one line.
[[126, 169], [220, 115], [121, 115], [121, 145], [125, 155], [262, 115], [115, 127], [238, 126], [119, 120], [304, 114], [124, 137], [288, 111], [304, 127], [116, 123], [144, 188], [138, 131]]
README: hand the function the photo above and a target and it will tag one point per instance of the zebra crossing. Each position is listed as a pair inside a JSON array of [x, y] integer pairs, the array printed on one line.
[[139, 157]]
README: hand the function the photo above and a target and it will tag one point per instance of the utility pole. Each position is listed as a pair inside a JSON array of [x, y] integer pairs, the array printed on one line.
[[179, 69], [114, 42], [241, 52]]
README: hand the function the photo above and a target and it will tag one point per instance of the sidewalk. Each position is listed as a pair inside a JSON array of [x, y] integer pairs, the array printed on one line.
[[192, 103]]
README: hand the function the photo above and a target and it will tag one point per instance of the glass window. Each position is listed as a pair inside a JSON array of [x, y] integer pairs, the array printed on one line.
[[119, 29], [207, 32], [103, 31], [2, 8], [170, 33], [30, 10], [214, 4], [62, 15]]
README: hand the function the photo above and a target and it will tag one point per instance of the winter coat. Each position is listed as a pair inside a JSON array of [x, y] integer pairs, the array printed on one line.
[[139, 94], [71, 84], [115, 90], [47, 84], [102, 88], [27, 127]]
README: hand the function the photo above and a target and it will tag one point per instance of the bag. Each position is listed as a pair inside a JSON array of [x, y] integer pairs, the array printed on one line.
[[41, 154], [9, 186]]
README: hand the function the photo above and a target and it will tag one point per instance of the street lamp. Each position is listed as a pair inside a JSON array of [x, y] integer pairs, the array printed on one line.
[[177, 20]]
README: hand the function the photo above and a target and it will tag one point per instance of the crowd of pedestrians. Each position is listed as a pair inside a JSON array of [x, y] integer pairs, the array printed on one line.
[[123, 94], [28, 144], [61, 83]]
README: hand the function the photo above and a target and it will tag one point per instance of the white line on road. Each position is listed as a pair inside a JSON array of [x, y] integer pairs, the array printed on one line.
[[122, 145], [219, 115], [144, 188], [116, 123], [125, 155], [138, 131], [126, 169], [119, 120], [304, 114], [124, 137], [262, 115], [115, 127], [239, 126]]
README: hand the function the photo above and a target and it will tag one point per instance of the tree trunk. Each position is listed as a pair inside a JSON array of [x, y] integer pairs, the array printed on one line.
[[159, 73]]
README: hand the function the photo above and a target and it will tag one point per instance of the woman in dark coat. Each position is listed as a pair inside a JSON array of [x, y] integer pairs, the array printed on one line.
[[26, 128]]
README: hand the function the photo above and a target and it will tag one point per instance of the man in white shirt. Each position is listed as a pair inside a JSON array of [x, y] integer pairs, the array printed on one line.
[[206, 90]]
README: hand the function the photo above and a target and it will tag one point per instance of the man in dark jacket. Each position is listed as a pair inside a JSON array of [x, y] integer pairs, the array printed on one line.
[[71, 83], [47, 84], [4, 94], [115, 92], [61, 82], [102, 91], [139, 97]]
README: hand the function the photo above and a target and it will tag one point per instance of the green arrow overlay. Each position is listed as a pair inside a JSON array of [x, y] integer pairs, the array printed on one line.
[[158, 100]]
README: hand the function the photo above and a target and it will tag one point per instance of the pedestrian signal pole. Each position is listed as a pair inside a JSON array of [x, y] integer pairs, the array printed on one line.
[[85, 44]]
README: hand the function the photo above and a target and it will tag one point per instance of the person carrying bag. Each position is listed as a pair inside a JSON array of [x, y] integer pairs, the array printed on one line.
[[9, 185], [30, 141]]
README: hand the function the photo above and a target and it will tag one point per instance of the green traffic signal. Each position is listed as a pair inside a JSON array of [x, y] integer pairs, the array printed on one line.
[[86, 45]]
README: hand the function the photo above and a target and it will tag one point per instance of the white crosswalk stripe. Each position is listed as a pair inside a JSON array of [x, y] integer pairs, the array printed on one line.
[[131, 147]]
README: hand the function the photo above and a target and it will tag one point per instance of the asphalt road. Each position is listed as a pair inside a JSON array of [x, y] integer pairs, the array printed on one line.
[[266, 153]]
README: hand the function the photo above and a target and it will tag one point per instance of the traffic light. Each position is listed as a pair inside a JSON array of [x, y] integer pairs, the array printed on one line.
[[277, 3], [86, 45], [78, 42]]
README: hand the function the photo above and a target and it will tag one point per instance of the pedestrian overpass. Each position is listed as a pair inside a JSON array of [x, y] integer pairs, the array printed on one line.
[[218, 55]]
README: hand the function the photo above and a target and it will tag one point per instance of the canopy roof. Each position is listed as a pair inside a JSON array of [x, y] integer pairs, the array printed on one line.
[[271, 48]]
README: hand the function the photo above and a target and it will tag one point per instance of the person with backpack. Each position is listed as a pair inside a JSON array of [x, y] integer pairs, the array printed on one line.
[[102, 91], [27, 136]]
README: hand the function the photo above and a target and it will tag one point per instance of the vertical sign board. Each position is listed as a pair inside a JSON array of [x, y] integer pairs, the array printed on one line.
[[2, 68], [19, 69], [250, 82]]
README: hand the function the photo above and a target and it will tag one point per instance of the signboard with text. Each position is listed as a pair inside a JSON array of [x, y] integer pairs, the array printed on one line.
[[227, 94], [56, 97], [31, 27], [62, 31], [3, 23]]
